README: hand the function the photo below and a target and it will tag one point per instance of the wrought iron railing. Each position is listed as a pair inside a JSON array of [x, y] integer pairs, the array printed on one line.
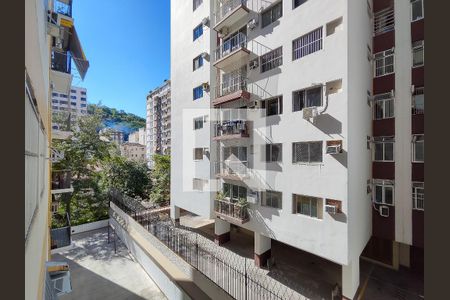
[[231, 209], [229, 46], [238, 83], [231, 127], [226, 8]]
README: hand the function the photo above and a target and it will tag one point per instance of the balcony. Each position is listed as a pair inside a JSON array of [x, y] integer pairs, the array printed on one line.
[[232, 170], [235, 129], [233, 53], [61, 182], [229, 13], [233, 89], [60, 73], [231, 211]]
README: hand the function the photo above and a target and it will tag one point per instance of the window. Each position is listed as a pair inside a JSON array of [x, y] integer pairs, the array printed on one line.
[[63, 102], [307, 98], [384, 149], [383, 192], [73, 97], [198, 184], [55, 94], [418, 101], [274, 152], [197, 62], [83, 99], [418, 194], [307, 44], [198, 123], [271, 199], [234, 192], [383, 21], [297, 3], [307, 152], [273, 106], [55, 107], [63, 96], [55, 101], [418, 54], [73, 103], [198, 31], [198, 153], [73, 91], [418, 150], [384, 63], [383, 106], [308, 206], [83, 93], [198, 92], [196, 3], [416, 10], [238, 153], [272, 14], [83, 105], [271, 60]]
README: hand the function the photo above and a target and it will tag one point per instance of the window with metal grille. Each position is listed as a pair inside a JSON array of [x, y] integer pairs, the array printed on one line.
[[308, 206], [383, 192], [310, 97], [418, 101], [198, 31], [383, 106], [196, 3], [418, 194], [274, 152], [271, 60], [272, 14], [384, 149], [271, 199], [384, 63], [197, 62], [297, 3], [307, 44], [418, 54], [198, 92], [416, 10], [383, 21], [307, 152], [418, 149]]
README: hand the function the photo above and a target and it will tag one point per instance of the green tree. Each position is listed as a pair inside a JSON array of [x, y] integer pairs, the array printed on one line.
[[160, 177]]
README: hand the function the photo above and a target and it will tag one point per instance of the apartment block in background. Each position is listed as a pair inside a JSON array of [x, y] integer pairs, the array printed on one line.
[[112, 135], [75, 103], [158, 124], [50, 44], [138, 136], [133, 151], [286, 105]]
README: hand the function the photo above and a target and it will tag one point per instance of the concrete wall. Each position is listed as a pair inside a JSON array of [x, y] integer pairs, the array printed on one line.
[[89, 226]]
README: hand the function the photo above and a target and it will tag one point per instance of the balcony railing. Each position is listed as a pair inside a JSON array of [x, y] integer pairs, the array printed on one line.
[[231, 169], [230, 46], [226, 9], [238, 83], [231, 128], [231, 209], [61, 180], [61, 61]]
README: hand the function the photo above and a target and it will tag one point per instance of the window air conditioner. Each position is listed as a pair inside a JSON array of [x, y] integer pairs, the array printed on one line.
[[204, 55], [252, 24], [254, 104], [205, 86], [253, 64], [310, 113], [334, 149], [331, 209], [223, 32], [384, 211], [205, 21]]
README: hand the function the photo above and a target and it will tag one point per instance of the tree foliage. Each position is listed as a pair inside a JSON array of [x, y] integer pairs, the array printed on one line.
[[160, 177], [112, 115]]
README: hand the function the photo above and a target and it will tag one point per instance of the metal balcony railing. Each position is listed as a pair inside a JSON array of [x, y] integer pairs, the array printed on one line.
[[226, 8], [384, 21], [235, 43], [61, 61], [234, 84], [231, 168], [231, 209], [231, 127]]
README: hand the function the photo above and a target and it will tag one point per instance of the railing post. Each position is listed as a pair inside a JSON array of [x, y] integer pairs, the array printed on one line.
[[246, 283]]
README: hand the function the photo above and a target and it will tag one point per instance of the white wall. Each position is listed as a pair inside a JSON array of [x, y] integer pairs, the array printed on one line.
[[89, 226]]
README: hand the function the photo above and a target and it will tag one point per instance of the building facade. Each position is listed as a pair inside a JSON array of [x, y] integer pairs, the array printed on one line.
[[138, 137], [75, 103], [274, 131], [50, 43], [158, 123], [133, 151], [112, 135]]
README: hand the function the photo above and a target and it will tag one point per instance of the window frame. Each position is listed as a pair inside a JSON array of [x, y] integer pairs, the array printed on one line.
[[279, 101], [199, 95], [414, 145], [198, 120], [295, 6], [383, 58], [384, 184], [384, 140], [231, 196], [269, 149], [198, 58], [383, 98], [304, 100], [198, 30], [264, 199], [270, 10], [414, 110], [416, 47], [422, 8], [308, 143], [308, 43], [319, 206], [416, 196]]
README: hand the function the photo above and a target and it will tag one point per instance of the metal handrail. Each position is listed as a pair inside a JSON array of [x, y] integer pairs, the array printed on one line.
[[232, 209], [226, 8], [230, 46]]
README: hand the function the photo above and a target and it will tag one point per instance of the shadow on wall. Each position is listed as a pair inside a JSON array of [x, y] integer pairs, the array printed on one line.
[[340, 217], [259, 218], [328, 124], [341, 158]]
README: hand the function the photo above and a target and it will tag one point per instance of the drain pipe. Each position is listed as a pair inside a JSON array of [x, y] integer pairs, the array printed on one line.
[[324, 91]]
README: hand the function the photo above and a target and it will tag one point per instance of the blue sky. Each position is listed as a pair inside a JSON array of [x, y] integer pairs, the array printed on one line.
[[127, 43]]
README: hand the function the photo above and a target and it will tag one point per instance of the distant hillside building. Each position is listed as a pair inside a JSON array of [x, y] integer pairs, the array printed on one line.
[[133, 151], [158, 121], [75, 103], [138, 136], [112, 135]]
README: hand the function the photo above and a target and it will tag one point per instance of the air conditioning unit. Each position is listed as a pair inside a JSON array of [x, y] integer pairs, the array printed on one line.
[[384, 211], [205, 86], [254, 104], [204, 55], [334, 149], [205, 21], [252, 24], [223, 32], [253, 64], [310, 113], [331, 209]]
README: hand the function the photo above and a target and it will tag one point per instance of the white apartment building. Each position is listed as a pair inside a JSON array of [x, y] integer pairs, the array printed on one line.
[[74, 103], [138, 136], [300, 151], [158, 123]]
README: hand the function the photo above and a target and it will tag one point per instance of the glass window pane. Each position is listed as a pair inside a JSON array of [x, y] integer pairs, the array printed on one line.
[[378, 193], [314, 207], [378, 110], [235, 192], [276, 152], [419, 151], [388, 195], [314, 97], [417, 10], [378, 151], [389, 151]]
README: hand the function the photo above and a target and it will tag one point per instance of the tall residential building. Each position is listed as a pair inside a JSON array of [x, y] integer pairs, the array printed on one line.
[[158, 123], [74, 103], [138, 136], [50, 44], [283, 124]]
